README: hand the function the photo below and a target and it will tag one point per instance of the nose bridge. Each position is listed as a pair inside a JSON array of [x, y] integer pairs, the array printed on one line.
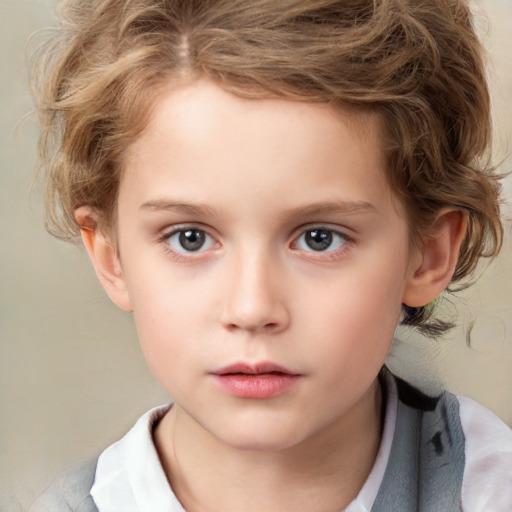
[[255, 298]]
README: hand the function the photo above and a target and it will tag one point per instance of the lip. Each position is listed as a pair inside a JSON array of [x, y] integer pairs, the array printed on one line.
[[255, 381]]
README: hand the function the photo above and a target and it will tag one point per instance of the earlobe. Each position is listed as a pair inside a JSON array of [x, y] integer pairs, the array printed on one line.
[[437, 260], [104, 257]]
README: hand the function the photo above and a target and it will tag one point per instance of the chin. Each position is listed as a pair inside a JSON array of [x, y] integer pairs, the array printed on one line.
[[261, 439]]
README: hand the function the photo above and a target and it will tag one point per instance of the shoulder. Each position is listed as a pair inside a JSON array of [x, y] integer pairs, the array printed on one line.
[[69, 493], [458, 429], [482, 425], [487, 483]]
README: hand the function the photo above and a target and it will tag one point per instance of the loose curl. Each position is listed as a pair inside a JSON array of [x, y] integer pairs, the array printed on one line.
[[418, 64]]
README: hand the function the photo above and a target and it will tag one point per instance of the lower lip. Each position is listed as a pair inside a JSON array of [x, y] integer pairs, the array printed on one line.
[[262, 385]]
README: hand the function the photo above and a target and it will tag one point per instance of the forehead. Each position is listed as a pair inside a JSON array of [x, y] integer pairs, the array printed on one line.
[[195, 103], [199, 131]]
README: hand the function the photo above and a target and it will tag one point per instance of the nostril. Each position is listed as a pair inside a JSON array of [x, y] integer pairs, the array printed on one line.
[[268, 327], [255, 315]]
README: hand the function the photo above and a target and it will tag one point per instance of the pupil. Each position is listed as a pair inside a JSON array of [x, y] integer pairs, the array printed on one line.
[[318, 239], [192, 239]]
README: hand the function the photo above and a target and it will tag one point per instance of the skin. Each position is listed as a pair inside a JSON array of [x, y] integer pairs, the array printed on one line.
[[254, 177]]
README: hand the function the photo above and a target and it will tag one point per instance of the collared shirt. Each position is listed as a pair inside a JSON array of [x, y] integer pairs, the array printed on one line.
[[130, 478]]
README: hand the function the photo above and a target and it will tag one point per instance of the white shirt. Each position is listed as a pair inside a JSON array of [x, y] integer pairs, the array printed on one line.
[[130, 478]]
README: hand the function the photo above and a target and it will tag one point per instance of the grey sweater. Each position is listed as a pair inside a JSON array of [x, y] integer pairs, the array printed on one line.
[[424, 471]]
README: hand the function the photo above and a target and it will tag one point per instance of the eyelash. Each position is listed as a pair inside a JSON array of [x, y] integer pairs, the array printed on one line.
[[183, 255], [190, 255], [343, 239]]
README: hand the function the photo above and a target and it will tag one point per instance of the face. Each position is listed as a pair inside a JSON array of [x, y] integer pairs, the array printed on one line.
[[265, 260]]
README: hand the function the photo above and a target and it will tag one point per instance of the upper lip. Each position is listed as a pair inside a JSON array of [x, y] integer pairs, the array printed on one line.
[[253, 369]]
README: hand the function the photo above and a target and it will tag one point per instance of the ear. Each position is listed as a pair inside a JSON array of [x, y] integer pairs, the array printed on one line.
[[104, 256], [434, 264]]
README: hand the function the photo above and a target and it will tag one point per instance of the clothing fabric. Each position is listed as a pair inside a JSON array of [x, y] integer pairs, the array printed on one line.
[[71, 493], [444, 453]]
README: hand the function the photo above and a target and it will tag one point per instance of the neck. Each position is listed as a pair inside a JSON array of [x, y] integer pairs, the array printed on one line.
[[324, 472]]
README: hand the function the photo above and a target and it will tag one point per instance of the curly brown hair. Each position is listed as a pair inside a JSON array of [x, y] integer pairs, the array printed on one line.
[[419, 65]]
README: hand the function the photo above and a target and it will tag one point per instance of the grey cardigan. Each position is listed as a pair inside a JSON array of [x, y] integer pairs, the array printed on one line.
[[424, 472]]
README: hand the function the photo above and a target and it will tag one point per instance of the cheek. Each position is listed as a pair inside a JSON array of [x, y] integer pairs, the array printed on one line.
[[359, 312], [166, 344], [171, 316], [157, 314], [368, 297]]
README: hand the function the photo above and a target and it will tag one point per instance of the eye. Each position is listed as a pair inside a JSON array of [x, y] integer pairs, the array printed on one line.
[[190, 240], [320, 240]]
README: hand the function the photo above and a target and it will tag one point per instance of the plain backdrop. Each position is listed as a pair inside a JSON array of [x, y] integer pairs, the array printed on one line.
[[72, 378]]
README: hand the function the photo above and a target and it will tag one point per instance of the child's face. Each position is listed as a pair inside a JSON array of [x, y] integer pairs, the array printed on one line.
[[262, 232]]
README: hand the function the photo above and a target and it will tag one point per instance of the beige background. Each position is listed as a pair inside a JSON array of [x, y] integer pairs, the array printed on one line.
[[72, 378]]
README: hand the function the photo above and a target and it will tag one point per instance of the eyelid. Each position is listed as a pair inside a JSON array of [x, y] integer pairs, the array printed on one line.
[[345, 232], [167, 233], [326, 254], [170, 230]]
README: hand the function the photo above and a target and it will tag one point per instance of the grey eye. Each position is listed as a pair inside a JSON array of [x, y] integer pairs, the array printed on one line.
[[190, 240], [320, 240]]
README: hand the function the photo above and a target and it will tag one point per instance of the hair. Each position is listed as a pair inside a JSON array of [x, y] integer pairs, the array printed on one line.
[[419, 65]]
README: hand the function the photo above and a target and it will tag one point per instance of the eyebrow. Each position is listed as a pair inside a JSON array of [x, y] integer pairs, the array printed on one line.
[[327, 207], [333, 207], [159, 205]]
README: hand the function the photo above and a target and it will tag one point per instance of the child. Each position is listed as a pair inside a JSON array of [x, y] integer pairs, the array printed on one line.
[[271, 187]]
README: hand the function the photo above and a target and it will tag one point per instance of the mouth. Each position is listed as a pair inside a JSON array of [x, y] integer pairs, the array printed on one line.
[[255, 381], [262, 368]]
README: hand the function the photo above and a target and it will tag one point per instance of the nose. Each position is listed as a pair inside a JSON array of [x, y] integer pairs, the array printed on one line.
[[255, 297]]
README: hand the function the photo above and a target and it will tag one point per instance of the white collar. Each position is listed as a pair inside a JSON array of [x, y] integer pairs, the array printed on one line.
[[129, 476], [368, 493]]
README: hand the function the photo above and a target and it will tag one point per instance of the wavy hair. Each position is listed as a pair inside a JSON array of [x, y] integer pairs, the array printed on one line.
[[419, 65]]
